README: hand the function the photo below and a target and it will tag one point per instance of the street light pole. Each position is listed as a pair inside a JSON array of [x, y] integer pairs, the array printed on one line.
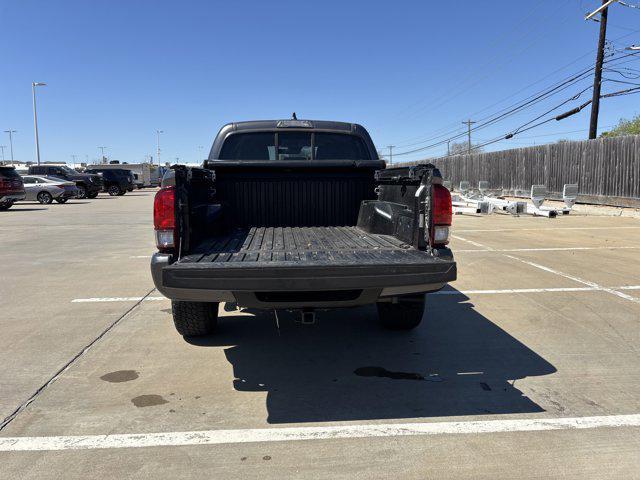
[[158, 132], [2, 147], [35, 116], [11, 132], [103, 157]]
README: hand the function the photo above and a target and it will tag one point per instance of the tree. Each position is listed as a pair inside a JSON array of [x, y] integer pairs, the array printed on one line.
[[461, 148], [625, 127]]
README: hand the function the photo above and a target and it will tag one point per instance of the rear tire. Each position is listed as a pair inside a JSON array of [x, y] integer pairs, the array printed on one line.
[[114, 190], [404, 315], [62, 200], [193, 319], [93, 195], [45, 198], [82, 192], [5, 206]]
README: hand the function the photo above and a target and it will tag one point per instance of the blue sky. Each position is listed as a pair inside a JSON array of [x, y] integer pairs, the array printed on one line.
[[118, 70]]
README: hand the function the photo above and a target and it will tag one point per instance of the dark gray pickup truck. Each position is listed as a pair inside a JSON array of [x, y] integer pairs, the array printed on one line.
[[300, 214]]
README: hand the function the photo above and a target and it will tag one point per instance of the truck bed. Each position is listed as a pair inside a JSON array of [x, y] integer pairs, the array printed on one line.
[[303, 245], [305, 258]]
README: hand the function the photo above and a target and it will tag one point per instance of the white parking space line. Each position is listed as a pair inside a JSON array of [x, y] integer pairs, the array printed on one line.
[[292, 434], [593, 286], [471, 242], [550, 249], [516, 290], [116, 299], [546, 228], [576, 279]]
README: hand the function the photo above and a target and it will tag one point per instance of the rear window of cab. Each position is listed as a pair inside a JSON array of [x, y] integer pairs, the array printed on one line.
[[294, 146]]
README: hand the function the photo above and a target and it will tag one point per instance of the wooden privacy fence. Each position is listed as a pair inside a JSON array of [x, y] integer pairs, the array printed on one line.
[[607, 170]]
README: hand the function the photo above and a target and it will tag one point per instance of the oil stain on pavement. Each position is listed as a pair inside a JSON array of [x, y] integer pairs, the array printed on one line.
[[120, 376], [148, 401]]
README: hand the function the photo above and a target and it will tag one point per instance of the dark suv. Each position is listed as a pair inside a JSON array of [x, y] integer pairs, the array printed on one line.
[[88, 185], [11, 187], [116, 181]]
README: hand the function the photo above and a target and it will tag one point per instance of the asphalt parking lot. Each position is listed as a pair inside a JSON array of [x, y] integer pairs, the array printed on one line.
[[526, 367]]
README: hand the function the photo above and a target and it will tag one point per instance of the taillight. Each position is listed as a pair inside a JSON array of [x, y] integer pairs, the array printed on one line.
[[164, 220], [441, 216]]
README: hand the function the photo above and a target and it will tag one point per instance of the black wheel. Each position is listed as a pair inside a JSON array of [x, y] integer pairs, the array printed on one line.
[[193, 319], [45, 198], [62, 200], [82, 192], [122, 192], [5, 206], [93, 195], [113, 190], [406, 314]]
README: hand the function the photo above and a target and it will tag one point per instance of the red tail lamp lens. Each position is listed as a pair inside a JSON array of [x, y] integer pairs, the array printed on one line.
[[164, 220]]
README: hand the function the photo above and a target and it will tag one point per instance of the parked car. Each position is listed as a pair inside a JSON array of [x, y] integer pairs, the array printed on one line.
[[142, 171], [300, 214], [11, 187], [88, 185], [41, 192], [33, 182], [116, 181]]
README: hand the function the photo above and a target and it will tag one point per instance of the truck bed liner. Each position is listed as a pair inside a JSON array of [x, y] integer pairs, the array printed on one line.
[[303, 245]]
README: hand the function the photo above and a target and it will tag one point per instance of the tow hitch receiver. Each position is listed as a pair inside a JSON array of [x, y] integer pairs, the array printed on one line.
[[308, 317]]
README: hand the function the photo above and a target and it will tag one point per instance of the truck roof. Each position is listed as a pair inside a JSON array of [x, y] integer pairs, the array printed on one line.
[[290, 125]]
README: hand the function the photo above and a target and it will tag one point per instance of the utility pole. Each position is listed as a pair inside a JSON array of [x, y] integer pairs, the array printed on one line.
[[103, 159], [468, 123], [597, 79], [448, 148], [2, 147], [11, 132], [35, 116], [158, 132], [390, 147], [73, 157]]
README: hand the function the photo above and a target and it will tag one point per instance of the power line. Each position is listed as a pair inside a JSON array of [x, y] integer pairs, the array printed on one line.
[[528, 102], [480, 126], [562, 116], [447, 132]]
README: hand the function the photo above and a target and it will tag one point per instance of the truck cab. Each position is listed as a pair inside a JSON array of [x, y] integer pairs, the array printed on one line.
[[300, 214]]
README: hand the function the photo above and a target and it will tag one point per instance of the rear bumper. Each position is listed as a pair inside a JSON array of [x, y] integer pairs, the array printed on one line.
[[255, 286]]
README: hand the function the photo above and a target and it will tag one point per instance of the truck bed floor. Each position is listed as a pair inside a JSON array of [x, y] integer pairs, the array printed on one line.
[[304, 246]]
